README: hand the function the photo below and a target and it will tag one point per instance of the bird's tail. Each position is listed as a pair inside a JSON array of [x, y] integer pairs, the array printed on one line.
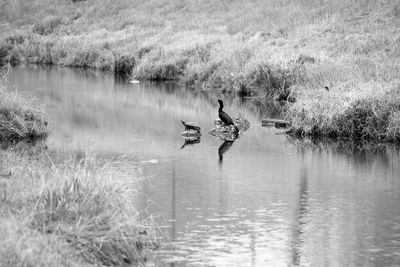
[[183, 122]]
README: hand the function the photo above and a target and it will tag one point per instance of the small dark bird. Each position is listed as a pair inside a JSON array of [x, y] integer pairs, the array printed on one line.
[[191, 126], [326, 88], [225, 118]]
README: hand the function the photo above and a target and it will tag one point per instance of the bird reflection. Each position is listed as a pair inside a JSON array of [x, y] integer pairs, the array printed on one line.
[[190, 141], [222, 149]]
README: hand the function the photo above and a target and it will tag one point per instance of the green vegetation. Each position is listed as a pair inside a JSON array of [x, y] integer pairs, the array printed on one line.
[[282, 50], [75, 214], [20, 118]]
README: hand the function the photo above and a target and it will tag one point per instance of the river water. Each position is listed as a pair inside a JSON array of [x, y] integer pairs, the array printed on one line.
[[263, 200]]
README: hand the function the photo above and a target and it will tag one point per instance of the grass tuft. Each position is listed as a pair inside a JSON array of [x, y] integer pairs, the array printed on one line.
[[48, 25], [124, 64], [371, 117], [157, 66], [20, 119], [92, 218], [78, 213]]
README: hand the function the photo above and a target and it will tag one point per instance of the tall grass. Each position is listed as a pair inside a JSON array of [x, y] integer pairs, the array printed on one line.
[[20, 118], [73, 214], [369, 114]]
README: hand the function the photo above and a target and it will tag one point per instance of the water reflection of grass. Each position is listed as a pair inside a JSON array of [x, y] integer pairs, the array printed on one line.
[[346, 147], [75, 213]]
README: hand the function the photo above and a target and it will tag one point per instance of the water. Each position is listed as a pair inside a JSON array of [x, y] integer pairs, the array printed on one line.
[[268, 202]]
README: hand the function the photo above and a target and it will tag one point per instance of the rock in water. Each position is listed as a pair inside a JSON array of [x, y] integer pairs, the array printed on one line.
[[241, 124], [191, 133], [225, 133], [229, 132]]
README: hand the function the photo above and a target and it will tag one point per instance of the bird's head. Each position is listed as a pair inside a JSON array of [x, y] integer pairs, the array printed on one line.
[[221, 104]]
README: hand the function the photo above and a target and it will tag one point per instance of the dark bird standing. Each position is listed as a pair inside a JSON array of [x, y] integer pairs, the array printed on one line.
[[225, 118]]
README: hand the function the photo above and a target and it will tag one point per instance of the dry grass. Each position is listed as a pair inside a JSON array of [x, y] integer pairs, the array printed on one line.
[[74, 214], [367, 114], [23, 246], [20, 118]]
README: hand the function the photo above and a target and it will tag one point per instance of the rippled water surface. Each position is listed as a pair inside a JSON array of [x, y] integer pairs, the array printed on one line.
[[262, 200]]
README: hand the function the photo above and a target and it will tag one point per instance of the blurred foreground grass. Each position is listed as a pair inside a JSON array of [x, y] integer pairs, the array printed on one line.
[[72, 214]]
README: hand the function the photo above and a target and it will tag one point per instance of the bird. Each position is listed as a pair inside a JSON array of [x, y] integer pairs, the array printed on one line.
[[191, 126], [225, 118]]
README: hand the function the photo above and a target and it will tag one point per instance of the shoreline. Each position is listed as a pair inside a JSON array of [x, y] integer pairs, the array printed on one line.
[[352, 125], [335, 70]]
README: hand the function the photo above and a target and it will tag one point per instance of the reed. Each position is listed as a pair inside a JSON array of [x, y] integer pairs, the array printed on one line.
[[20, 118]]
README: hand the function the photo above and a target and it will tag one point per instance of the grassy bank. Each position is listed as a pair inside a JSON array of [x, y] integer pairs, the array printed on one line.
[[282, 50], [363, 114], [20, 118], [76, 214]]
